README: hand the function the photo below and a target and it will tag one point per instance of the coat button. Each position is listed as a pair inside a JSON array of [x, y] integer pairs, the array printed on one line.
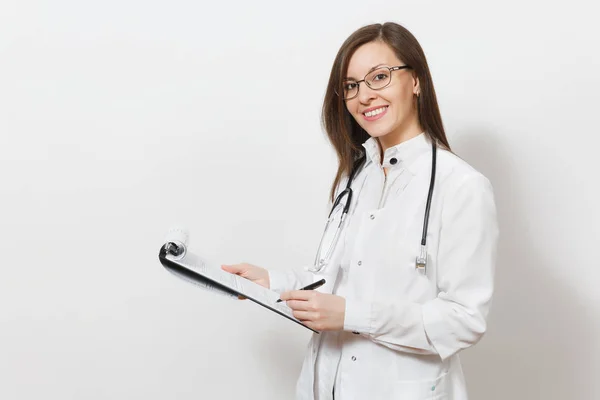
[[359, 263], [393, 160], [353, 358], [372, 216]]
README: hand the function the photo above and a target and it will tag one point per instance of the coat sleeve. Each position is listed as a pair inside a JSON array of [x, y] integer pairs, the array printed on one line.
[[456, 318]]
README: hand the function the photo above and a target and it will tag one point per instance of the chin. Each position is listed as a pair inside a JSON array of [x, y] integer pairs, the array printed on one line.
[[378, 132]]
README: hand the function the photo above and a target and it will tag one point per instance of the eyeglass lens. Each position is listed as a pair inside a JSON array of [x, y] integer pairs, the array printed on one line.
[[377, 79]]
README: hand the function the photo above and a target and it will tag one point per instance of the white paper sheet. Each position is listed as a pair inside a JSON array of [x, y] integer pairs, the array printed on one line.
[[210, 275]]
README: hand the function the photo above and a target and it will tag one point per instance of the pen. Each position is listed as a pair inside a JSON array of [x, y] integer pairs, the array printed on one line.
[[311, 286]]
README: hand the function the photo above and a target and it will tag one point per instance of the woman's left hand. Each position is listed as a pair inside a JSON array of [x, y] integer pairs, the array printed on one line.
[[319, 311]]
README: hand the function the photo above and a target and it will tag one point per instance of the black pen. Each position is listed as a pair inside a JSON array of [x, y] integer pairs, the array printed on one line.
[[311, 286]]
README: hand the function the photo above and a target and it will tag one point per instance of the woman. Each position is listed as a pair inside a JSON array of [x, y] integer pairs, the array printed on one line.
[[391, 325]]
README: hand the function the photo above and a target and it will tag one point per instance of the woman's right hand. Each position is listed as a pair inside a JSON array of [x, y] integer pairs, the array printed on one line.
[[251, 272]]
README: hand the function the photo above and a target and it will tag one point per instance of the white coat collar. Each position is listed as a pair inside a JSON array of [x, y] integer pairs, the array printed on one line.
[[399, 156]]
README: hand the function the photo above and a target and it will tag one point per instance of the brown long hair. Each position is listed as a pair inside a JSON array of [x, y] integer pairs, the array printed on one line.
[[344, 133]]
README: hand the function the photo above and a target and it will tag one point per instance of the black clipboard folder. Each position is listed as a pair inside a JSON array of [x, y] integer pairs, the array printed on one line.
[[175, 258]]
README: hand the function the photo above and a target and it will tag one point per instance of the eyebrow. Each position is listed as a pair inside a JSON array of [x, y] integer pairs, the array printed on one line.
[[369, 71]]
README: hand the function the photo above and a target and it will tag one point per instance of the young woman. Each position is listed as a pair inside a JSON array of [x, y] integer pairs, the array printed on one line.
[[410, 274]]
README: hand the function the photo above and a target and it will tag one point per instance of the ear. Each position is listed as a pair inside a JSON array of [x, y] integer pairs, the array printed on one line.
[[416, 86]]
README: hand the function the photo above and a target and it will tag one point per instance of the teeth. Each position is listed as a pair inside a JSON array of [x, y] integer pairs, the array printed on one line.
[[375, 112]]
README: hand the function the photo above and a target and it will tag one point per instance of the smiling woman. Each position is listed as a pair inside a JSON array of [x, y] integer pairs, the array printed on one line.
[[409, 270], [406, 98]]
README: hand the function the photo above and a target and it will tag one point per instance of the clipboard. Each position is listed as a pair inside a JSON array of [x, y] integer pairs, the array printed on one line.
[[177, 260]]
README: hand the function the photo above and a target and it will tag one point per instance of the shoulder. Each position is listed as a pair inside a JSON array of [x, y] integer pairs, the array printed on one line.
[[467, 197], [457, 174]]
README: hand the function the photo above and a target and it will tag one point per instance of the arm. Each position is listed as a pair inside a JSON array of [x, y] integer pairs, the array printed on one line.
[[456, 318]]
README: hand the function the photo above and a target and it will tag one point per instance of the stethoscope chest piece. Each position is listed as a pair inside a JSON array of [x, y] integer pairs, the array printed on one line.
[[421, 261]]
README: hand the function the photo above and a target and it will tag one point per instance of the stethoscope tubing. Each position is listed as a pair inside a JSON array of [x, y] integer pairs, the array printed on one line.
[[320, 263], [430, 194]]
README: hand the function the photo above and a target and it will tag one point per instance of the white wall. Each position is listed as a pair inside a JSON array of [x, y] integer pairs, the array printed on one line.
[[119, 119]]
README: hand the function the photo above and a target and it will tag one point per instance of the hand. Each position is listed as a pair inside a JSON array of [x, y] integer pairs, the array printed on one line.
[[319, 311], [251, 272]]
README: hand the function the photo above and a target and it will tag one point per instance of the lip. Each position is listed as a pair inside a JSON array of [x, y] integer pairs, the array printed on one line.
[[375, 117]]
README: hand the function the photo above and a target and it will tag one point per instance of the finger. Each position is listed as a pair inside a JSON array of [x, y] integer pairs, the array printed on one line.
[[304, 315], [315, 325], [297, 295], [234, 269], [300, 305]]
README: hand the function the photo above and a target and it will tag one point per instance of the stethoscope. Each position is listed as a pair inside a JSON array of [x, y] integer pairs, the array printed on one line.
[[421, 260]]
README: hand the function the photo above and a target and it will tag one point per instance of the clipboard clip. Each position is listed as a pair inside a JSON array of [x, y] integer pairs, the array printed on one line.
[[176, 249]]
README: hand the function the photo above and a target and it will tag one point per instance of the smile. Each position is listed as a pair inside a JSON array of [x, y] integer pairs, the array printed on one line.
[[375, 114]]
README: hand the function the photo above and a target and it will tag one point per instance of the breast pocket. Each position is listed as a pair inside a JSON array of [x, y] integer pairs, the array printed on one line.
[[406, 281]]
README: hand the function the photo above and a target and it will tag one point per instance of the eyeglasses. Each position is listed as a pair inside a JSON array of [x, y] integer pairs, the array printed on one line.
[[376, 80]]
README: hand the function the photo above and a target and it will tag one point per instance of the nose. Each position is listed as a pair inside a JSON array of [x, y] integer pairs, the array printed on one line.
[[365, 93]]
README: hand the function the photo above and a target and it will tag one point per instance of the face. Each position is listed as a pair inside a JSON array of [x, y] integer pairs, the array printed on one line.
[[388, 114]]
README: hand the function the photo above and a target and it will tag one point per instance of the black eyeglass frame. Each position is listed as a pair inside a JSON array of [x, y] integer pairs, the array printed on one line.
[[391, 69]]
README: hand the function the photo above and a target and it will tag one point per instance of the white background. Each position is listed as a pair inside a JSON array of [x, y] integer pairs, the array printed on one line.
[[119, 119]]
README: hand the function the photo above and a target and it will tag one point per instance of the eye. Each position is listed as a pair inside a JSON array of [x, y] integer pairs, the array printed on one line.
[[380, 76], [349, 86]]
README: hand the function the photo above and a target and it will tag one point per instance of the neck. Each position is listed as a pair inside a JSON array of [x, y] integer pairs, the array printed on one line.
[[400, 135]]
